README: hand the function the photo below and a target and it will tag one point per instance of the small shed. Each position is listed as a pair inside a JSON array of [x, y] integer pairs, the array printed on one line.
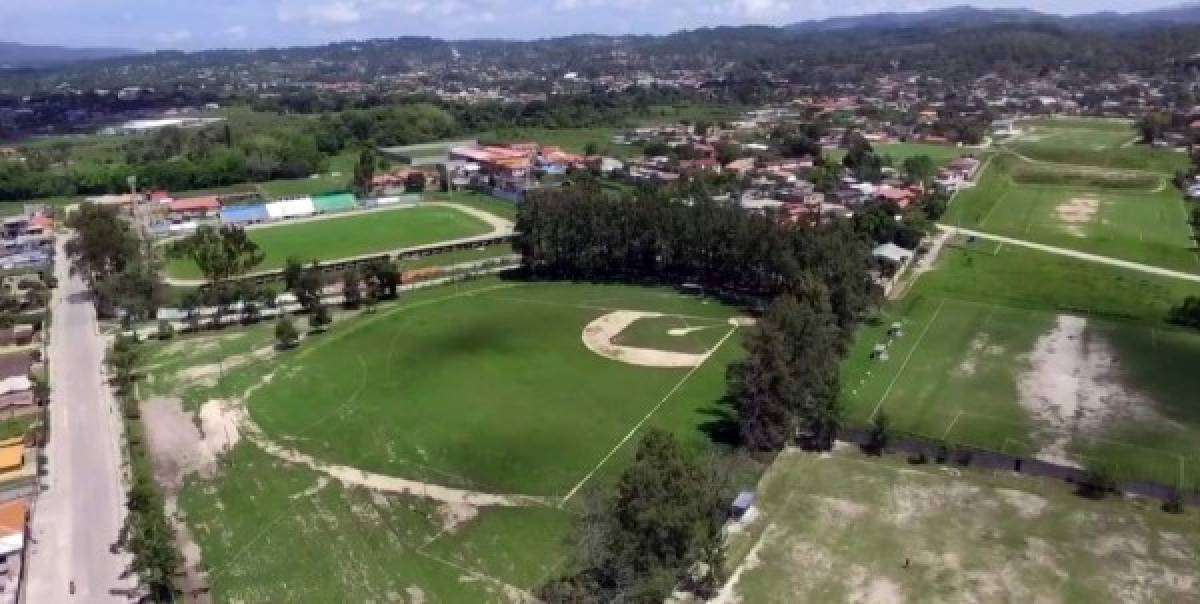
[[892, 253], [742, 504], [880, 352]]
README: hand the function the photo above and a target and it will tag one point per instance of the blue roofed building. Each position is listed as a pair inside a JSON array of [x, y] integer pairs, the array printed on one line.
[[243, 215]]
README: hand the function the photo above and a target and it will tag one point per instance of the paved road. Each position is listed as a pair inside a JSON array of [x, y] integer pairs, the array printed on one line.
[[1062, 251], [80, 515]]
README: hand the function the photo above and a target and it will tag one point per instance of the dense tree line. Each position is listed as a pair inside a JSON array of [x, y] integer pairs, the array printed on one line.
[[122, 269], [587, 233], [174, 159]]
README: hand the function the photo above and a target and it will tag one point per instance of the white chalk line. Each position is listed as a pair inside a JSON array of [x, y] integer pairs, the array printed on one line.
[[645, 418]]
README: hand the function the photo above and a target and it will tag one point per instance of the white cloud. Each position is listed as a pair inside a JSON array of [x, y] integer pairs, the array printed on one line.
[[237, 32]]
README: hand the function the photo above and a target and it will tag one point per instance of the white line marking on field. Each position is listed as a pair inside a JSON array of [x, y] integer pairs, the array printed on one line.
[[907, 358], [653, 410], [984, 220], [951, 426]]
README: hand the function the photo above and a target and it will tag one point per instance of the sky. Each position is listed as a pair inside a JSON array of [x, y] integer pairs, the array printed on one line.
[[204, 24]]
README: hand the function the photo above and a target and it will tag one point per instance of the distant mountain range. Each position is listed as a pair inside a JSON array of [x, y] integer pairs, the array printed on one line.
[[17, 56], [970, 17], [23, 56]]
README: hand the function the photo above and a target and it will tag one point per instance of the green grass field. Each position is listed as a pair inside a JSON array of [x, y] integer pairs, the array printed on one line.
[[351, 235], [1129, 216], [335, 180], [840, 528], [475, 391], [1090, 142], [972, 362], [484, 384]]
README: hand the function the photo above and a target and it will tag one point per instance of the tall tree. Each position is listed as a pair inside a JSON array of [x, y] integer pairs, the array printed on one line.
[[364, 171], [220, 253], [637, 544]]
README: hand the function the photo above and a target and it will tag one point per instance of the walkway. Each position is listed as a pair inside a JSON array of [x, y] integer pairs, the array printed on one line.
[[1061, 251]]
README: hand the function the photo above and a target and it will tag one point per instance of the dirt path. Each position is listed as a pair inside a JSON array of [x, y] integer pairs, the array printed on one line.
[[235, 414], [1136, 266]]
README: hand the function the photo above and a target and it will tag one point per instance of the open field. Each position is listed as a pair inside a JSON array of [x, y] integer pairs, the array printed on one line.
[[1098, 143], [469, 371], [336, 179], [486, 384], [492, 205], [574, 140], [351, 235], [1025, 353], [1132, 216], [940, 154], [840, 528]]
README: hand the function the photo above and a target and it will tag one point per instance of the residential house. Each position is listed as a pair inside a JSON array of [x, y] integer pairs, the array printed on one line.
[[191, 208]]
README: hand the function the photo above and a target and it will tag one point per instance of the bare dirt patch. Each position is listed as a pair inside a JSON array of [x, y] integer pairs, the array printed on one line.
[[455, 514], [178, 447], [1027, 505], [207, 375], [1077, 212], [1072, 389]]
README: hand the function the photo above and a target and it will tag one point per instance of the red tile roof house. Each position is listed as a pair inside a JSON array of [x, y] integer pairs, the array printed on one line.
[[194, 207], [901, 198]]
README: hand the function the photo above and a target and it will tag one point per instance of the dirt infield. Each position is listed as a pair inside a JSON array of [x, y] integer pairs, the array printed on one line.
[[598, 337]]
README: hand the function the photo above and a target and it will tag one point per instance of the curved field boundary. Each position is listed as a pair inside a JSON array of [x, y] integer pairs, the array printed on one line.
[[501, 227]]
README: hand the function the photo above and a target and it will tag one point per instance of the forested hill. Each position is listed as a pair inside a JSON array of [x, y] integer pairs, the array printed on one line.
[[13, 55], [954, 43]]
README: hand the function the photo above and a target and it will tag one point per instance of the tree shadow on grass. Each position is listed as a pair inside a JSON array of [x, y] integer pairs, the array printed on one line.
[[721, 425]]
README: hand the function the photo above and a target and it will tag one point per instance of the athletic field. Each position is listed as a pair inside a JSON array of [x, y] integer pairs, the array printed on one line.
[[1129, 215], [1092, 142], [1045, 366], [438, 449], [349, 235], [844, 527]]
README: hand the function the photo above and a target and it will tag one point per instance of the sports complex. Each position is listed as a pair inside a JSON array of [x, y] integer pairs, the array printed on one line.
[[439, 448]]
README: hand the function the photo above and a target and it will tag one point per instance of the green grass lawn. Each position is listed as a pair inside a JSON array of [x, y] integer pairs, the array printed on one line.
[[492, 205], [16, 426], [940, 154], [574, 140], [840, 528], [1099, 143], [493, 391], [334, 180], [273, 532], [1121, 215], [351, 235]]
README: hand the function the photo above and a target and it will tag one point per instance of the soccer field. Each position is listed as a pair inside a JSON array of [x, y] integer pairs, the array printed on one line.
[[1131, 216], [844, 527], [1042, 367], [350, 235]]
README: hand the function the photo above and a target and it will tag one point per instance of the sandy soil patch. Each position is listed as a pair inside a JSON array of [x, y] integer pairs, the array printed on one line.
[[727, 594], [1072, 389], [207, 375], [178, 447], [454, 515], [598, 338], [1028, 505], [1077, 212]]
